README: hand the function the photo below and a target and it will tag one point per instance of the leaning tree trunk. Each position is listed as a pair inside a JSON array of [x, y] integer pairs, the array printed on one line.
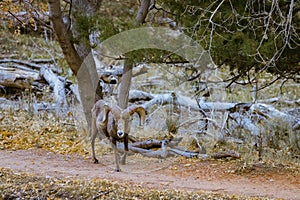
[[79, 58], [123, 92], [64, 37], [87, 77]]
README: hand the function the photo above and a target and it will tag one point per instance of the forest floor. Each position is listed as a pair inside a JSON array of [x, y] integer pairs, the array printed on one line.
[[216, 176]]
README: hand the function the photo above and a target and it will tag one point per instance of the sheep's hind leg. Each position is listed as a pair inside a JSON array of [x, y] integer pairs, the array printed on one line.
[[94, 135], [123, 160]]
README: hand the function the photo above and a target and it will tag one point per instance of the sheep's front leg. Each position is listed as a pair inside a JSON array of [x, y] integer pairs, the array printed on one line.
[[123, 161], [114, 145]]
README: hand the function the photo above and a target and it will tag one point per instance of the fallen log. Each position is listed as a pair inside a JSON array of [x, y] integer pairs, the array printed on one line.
[[280, 100], [226, 154], [149, 153], [154, 143], [186, 153], [162, 152], [272, 113], [58, 88], [246, 122], [236, 110], [22, 62], [163, 148], [22, 74], [163, 99], [11, 77], [113, 74], [137, 95]]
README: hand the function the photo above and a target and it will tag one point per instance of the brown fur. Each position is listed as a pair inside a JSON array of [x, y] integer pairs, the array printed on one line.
[[113, 122]]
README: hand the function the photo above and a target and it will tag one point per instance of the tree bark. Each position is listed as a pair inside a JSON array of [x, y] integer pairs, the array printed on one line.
[[79, 59], [129, 63], [142, 12], [64, 36], [17, 78], [31, 65], [164, 148], [123, 93]]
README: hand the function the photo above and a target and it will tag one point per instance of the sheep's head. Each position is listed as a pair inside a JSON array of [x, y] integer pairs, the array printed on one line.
[[122, 126], [122, 117]]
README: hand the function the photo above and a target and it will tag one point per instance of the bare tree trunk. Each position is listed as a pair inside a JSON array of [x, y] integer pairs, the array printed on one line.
[[129, 63], [123, 93], [64, 36], [79, 58], [87, 80]]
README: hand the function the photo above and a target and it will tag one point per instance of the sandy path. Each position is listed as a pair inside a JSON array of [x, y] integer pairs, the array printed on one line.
[[153, 173]]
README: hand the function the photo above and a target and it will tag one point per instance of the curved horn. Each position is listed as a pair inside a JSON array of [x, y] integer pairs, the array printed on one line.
[[106, 109], [101, 107], [139, 110]]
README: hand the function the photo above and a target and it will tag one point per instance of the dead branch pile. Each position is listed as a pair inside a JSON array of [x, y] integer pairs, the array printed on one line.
[[36, 75]]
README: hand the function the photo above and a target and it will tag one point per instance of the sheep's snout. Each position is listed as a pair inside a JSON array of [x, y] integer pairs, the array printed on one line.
[[113, 81], [120, 134]]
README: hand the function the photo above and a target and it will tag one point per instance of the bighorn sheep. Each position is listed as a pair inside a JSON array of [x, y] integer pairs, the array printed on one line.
[[113, 122]]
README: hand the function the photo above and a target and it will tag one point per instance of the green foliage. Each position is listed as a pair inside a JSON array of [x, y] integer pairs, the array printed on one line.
[[107, 28], [153, 56], [84, 26], [110, 19], [234, 50], [243, 34]]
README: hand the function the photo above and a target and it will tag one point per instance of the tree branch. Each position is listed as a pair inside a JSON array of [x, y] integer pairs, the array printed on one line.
[[143, 11]]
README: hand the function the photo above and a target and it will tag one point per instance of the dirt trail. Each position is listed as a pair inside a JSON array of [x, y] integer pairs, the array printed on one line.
[[166, 174]]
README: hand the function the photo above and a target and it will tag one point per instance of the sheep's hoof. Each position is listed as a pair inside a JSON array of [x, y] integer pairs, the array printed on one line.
[[96, 161], [117, 170]]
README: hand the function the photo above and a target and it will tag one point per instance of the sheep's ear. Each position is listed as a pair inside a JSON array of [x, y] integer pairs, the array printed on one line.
[[139, 110]]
